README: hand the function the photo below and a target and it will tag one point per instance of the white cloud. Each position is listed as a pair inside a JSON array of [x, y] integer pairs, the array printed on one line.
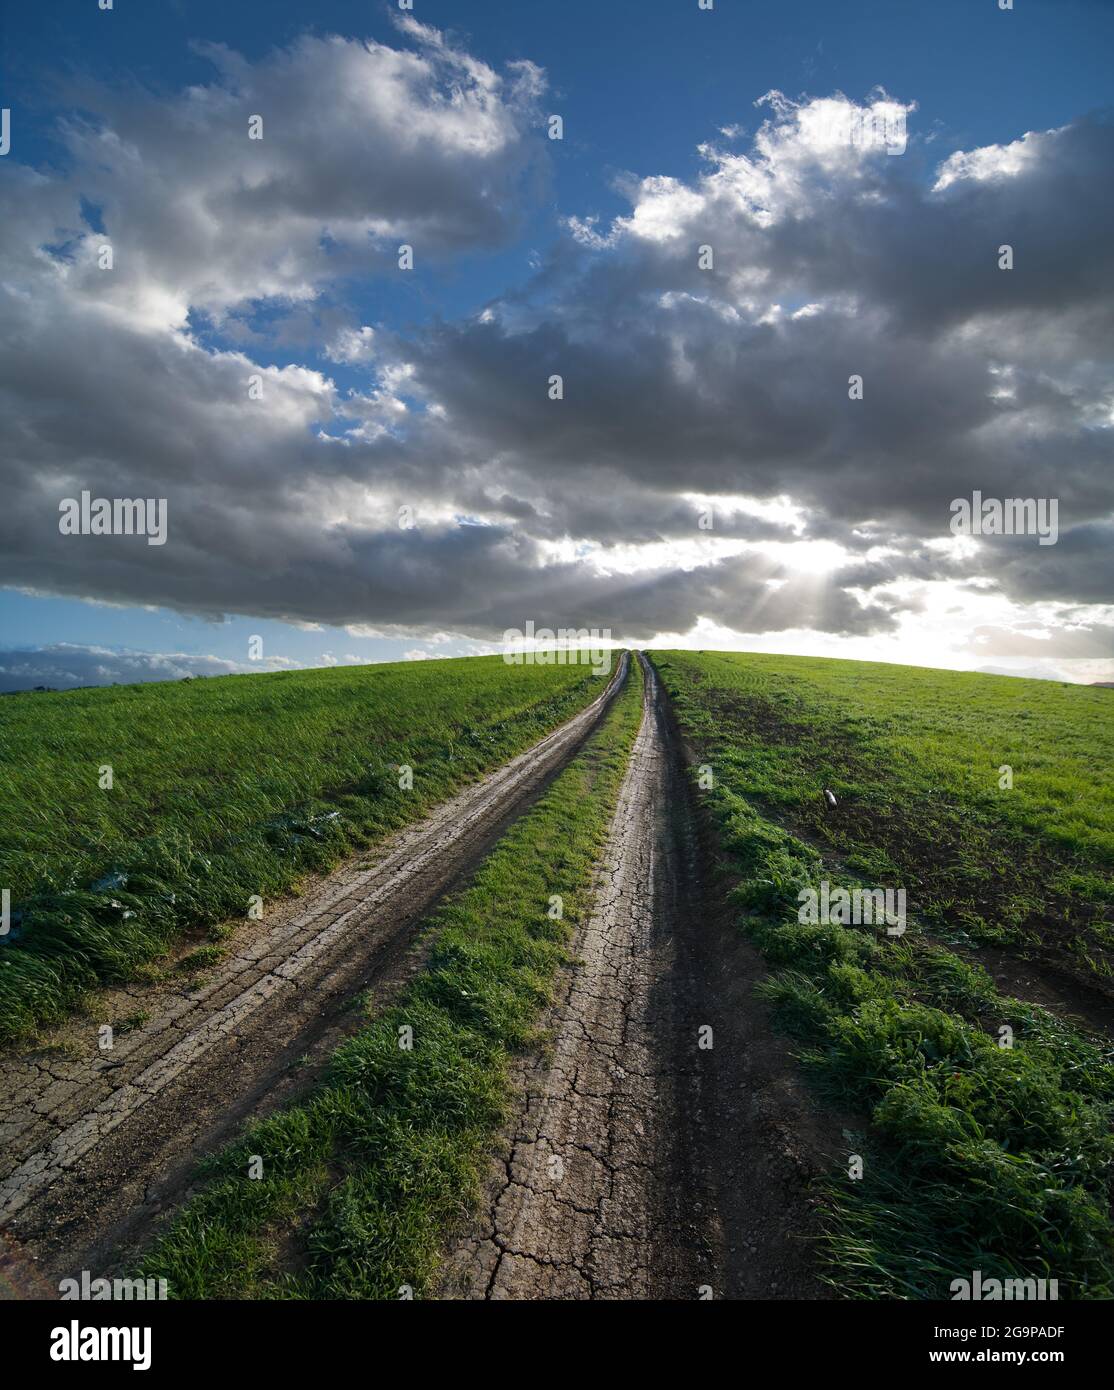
[[352, 345], [67, 665], [990, 162], [363, 145]]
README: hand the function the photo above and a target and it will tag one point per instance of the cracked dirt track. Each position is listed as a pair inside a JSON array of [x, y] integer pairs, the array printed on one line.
[[96, 1144], [641, 1164]]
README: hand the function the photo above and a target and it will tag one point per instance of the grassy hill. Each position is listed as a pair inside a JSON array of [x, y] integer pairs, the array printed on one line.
[[225, 788], [983, 1140], [915, 758]]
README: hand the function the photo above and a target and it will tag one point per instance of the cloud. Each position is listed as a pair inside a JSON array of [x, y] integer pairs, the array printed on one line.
[[67, 665], [361, 146], [682, 386], [973, 376], [1085, 641]]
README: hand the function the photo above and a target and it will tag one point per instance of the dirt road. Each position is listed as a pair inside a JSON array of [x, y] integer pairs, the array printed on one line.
[[97, 1143], [662, 1149]]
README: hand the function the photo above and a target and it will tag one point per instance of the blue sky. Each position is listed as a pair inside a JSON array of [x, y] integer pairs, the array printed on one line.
[[640, 87]]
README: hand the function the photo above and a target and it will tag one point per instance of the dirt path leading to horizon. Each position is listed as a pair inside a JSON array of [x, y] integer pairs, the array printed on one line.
[[98, 1145], [641, 1162], [662, 1147]]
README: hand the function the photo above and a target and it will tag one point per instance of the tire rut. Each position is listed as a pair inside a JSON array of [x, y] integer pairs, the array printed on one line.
[[639, 1164]]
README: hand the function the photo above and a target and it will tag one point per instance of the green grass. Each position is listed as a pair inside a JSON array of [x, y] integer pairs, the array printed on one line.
[[365, 1176], [977, 1156], [913, 756], [223, 789]]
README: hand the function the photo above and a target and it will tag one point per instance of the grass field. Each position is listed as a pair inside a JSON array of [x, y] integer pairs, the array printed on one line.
[[982, 1149], [362, 1179], [915, 758], [222, 789]]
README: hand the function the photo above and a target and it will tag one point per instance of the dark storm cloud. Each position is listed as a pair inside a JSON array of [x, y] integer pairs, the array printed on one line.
[[1079, 566], [473, 579]]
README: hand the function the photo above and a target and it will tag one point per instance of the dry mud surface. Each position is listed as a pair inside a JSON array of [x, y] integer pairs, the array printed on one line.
[[94, 1144], [641, 1164]]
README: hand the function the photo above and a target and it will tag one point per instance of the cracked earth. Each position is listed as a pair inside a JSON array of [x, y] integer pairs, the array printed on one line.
[[641, 1164], [96, 1144]]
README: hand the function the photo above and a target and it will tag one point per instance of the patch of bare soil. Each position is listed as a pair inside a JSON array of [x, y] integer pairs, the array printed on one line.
[[664, 1147], [99, 1144]]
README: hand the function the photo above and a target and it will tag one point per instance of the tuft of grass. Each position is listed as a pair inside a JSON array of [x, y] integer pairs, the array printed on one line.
[[363, 1178], [222, 789], [132, 1021], [202, 958]]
